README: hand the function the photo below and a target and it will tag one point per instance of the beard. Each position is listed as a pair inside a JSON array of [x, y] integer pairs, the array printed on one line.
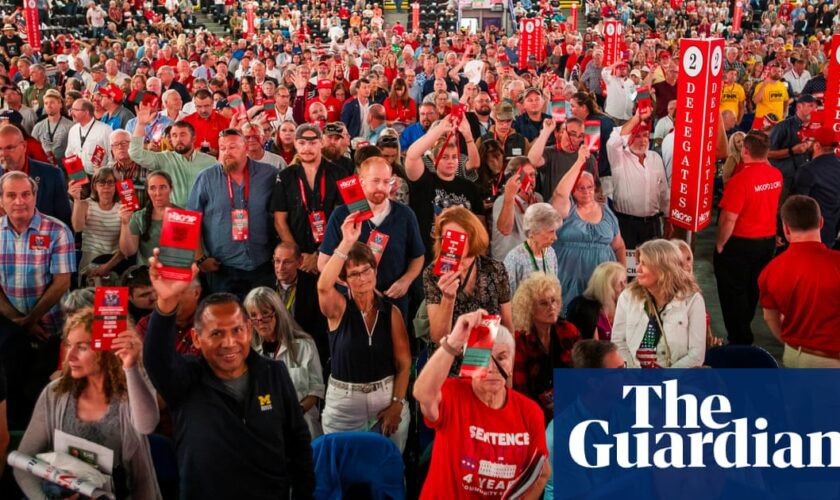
[[331, 153], [229, 165], [483, 111], [182, 148]]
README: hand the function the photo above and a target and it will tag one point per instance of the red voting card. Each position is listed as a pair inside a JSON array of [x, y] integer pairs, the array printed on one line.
[[377, 242], [110, 316], [97, 157], [592, 129], [525, 179], [354, 197], [560, 109], [235, 103], [179, 239], [269, 106], [128, 196], [643, 98], [451, 251], [479, 348], [75, 169]]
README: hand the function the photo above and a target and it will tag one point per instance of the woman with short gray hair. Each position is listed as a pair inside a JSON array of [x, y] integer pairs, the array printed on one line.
[[535, 253]]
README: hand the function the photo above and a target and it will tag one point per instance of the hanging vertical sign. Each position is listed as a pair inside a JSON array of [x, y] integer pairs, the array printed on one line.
[[695, 132], [415, 16], [612, 39], [33, 26], [527, 41], [737, 16], [831, 113], [250, 29], [574, 15]]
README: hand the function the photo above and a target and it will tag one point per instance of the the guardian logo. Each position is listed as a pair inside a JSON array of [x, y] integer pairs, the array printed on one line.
[[687, 431]]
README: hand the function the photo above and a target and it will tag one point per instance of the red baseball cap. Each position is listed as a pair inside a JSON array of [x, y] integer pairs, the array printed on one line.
[[113, 91], [825, 136], [664, 53], [325, 84]]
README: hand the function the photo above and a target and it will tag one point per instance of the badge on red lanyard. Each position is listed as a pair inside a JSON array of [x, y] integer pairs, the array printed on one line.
[[39, 242], [317, 217], [239, 216], [377, 241]]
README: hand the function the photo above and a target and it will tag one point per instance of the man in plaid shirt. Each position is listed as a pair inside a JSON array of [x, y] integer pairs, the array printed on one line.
[[37, 257]]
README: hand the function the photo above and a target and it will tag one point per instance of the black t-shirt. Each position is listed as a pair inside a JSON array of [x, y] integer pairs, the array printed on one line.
[[429, 195], [287, 198], [11, 44]]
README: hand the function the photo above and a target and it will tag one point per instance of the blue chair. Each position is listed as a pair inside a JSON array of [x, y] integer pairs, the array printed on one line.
[[357, 465], [740, 356]]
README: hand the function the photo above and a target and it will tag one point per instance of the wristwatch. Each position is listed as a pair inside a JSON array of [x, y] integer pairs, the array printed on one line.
[[401, 401], [202, 259]]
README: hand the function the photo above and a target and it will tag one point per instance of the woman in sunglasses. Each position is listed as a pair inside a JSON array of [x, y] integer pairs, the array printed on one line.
[[370, 356]]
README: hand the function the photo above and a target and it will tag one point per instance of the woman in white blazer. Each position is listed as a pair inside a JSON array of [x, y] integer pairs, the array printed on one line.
[[660, 318]]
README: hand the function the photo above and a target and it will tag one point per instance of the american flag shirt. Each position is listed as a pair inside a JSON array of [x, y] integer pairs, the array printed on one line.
[[646, 354], [30, 260]]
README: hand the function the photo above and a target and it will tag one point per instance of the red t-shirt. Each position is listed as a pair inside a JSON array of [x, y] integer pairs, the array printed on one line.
[[207, 129], [754, 194], [333, 109], [478, 450], [400, 113], [803, 284]]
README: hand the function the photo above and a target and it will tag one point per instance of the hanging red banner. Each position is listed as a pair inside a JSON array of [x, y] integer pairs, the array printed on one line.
[[574, 15], [695, 132], [737, 15], [415, 16], [33, 25], [250, 29], [612, 39], [527, 41], [831, 113]]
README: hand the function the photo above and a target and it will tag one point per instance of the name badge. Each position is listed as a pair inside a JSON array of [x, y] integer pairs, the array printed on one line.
[[516, 151], [39, 242], [239, 224], [377, 241], [318, 224]]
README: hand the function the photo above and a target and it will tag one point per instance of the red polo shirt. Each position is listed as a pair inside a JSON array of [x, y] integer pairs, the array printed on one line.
[[803, 284], [754, 194], [207, 129]]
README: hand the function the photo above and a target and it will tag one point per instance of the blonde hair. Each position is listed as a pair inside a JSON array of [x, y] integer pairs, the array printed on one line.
[[601, 285], [733, 150], [665, 259], [538, 283]]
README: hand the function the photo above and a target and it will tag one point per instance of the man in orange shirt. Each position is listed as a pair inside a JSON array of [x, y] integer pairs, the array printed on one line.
[[207, 122], [746, 237]]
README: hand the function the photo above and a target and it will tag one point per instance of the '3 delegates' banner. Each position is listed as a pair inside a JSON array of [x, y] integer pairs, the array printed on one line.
[[612, 42], [832, 91], [737, 15], [33, 26], [530, 41], [695, 132]]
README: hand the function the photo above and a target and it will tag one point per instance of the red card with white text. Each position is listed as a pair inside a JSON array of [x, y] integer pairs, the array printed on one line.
[[110, 316], [354, 197], [179, 239], [97, 157], [451, 251], [377, 242], [592, 129], [479, 348], [128, 196]]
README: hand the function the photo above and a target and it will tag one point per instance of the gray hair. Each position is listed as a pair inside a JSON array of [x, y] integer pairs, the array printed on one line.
[[504, 337], [541, 217], [169, 93], [17, 175], [116, 133], [77, 299]]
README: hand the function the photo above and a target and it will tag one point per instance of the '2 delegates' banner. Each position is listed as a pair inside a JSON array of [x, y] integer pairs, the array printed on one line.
[[695, 132], [530, 41], [832, 90], [612, 42], [33, 26]]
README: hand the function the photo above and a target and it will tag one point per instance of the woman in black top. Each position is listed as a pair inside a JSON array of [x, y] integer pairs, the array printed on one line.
[[370, 356]]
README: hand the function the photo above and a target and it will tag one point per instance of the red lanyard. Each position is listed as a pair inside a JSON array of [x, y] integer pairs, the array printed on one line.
[[446, 143], [303, 193], [247, 186], [498, 184], [519, 205]]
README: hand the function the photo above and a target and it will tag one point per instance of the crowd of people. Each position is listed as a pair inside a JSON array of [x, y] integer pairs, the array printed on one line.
[[303, 319]]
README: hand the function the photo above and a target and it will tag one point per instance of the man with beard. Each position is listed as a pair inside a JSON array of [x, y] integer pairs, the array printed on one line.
[[428, 114], [234, 197], [325, 97], [207, 122], [554, 161], [771, 95], [183, 164], [336, 147], [788, 152], [641, 192], [305, 196], [52, 131], [479, 119], [393, 234], [512, 142]]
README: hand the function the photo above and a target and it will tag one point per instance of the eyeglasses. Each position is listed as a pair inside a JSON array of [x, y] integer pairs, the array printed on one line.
[[546, 303], [358, 274], [120, 144], [574, 135], [262, 318], [9, 149], [106, 182], [379, 182]]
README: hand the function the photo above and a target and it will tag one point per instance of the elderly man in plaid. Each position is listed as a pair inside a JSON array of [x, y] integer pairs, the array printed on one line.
[[37, 257]]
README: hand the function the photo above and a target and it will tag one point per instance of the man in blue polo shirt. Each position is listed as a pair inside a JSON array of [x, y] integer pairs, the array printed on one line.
[[393, 234], [428, 114]]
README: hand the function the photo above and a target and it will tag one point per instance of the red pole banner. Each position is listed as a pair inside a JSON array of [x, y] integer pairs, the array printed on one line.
[[527, 35], [415, 16], [611, 39], [831, 114], [695, 132], [249, 19], [737, 15], [33, 26], [574, 15]]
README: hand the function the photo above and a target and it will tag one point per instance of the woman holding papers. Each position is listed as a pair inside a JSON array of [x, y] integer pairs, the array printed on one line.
[[101, 397], [370, 356], [660, 318], [480, 421]]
